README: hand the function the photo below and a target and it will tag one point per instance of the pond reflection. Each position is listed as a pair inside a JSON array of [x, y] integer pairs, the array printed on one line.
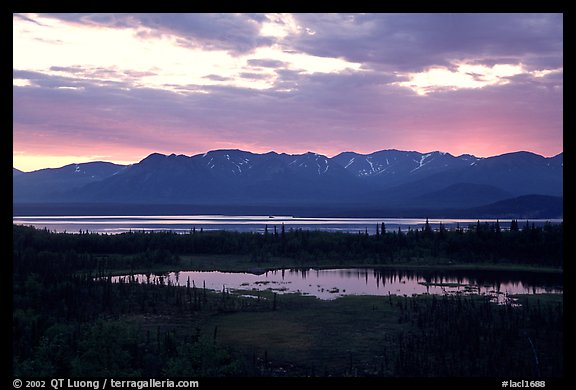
[[333, 283]]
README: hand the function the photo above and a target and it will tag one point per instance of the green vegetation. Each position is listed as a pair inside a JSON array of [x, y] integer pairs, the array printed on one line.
[[482, 245], [69, 319], [397, 336]]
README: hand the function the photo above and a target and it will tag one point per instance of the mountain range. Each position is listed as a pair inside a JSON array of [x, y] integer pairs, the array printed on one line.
[[392, 181]]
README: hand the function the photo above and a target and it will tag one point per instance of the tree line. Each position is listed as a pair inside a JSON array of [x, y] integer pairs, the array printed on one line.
[[479, 243]]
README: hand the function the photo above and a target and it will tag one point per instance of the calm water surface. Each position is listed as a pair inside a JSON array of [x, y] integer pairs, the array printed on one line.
[[326, 283], [334, 283], [185, 223]]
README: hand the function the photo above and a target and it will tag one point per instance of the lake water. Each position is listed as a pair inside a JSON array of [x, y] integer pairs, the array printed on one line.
[[334, 283], [184, 223]]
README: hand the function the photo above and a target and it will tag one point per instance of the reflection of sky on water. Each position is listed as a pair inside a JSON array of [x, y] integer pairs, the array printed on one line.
[[184, 223], [333, 283]]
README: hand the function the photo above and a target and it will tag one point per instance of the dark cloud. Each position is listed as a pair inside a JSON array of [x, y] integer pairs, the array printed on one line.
[[360, 111], [236, 33], [267, 63], [407, 42], [94, 114], [103, 19], [23, 17], [216, 77], [254, 76], [83, 78], [411, 42], [69, 69], [354, 110], [544, 62]]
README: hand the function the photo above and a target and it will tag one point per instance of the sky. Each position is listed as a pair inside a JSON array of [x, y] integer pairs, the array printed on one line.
[[118, 87]]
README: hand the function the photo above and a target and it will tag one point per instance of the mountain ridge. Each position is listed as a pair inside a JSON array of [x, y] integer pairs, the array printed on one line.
[[390, 177], [158, 154]]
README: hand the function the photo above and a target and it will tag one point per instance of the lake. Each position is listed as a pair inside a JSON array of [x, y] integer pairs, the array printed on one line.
[[185, 223], [333, 283]]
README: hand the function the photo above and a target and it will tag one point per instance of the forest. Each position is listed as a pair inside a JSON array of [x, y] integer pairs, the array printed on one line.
[[478, 243], [70, 319]]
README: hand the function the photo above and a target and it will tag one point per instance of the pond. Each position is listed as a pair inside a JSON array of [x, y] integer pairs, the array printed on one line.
[[333, 283]]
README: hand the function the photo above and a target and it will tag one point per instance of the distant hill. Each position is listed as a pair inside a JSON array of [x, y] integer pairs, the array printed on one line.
[[388, 179], [51, 183], [526, 206], [461, 195], [16, 172]]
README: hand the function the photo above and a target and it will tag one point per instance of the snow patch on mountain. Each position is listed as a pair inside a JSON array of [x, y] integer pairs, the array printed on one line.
[[421, 163]]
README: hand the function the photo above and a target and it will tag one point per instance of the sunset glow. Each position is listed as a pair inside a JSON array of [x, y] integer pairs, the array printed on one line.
[[467, 76], [117, 87]]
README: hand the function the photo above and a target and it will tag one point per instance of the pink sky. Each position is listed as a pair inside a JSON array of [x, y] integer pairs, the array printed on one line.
[[119, 87]]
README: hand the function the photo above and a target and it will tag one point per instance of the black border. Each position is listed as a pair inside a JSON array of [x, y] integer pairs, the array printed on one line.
[[447, 383]]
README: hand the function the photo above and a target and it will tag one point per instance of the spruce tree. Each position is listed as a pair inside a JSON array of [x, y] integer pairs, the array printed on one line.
[[514, 225]]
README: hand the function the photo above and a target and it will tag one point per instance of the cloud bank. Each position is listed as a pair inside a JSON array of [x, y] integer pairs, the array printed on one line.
[[121, 86]]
